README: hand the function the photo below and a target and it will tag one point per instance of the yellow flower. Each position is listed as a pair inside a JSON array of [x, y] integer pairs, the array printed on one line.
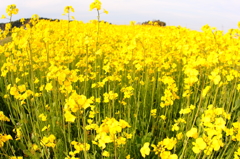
[[192, 107], [16, 157], [69, 117], [168, 155], [45, 127], [22, 88], [68, 9], [98, 100], [145, 150], [175, 127], [35, 147], [105, 11], [80, 146], [105, 153], [121, 141], [153, 112], [179, 136], [124, 124], [17, 80], [192, 133], [220, 123], [48, 141], [36, 80], [3, 117], [216, 143], [229, 131], [237, 153], [48, 86], [18, 133], [215, 77], [128, 136], [163, 117], [47, 107], [185, 111], [6, 96], [43, 117], [141, 82], [14, 91], [35, 17], [3, 17], [95, 5], [41, 87], [4, 138], [199, 145], [11, 9], [132, 22], [169, 143], [22, 20]]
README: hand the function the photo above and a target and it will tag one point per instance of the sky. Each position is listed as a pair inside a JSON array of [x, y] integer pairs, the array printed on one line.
[[192, 14]]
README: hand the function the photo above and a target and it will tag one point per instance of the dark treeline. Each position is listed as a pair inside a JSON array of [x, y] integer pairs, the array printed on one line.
[[18, 23], [155, 22]]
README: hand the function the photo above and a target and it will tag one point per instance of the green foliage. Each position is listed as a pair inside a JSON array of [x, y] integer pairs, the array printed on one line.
[[154, 22]]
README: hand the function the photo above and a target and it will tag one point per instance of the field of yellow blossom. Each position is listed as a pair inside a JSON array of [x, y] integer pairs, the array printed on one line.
[[72, 90]]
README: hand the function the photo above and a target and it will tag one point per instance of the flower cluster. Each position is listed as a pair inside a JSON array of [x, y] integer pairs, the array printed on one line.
[[10, 10], [162, 149], [96, 5], [214, 123], [78, 148], [75, 103], [4, 138], [3, 117], [110, 132], [170, 92], [49, 141]]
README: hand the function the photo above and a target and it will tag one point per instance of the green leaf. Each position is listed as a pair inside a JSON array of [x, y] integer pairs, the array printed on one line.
[[147, 137], [237, 105], [22, 146]]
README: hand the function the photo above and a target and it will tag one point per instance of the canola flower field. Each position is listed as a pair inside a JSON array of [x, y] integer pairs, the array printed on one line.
[[93, 90]]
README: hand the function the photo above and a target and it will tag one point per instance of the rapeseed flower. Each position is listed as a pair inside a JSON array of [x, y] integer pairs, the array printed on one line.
[[18, 133], [105, 11], [48, 141], [11, 9], [69, 117], [95, 5], [4, 138], [199, 145], [43, 117], [145, 150], [192, 133], [16, 157], [105, 153], [49, 87], [68, 9], [3, 117]]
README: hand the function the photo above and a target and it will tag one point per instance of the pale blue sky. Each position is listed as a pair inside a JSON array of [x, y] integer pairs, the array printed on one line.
[[223, 14]]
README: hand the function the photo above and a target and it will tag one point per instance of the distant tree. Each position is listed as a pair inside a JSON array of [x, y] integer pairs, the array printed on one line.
[[2, 26], [18, 23], [107, 22], [154, 22]]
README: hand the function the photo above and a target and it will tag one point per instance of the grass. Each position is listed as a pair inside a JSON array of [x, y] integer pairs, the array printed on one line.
[[6, 40]]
